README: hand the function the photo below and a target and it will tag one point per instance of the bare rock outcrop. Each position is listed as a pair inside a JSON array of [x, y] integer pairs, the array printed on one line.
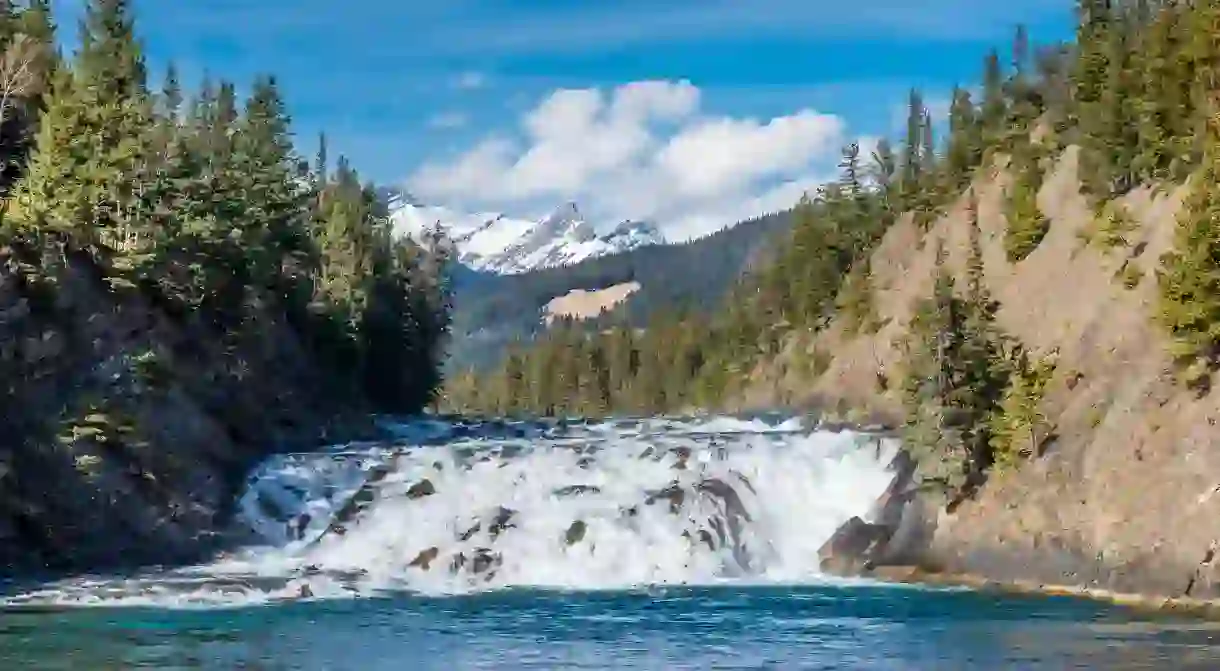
[[1124, 494]]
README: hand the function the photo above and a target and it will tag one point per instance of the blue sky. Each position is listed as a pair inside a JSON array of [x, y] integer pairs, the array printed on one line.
[[437, 93]]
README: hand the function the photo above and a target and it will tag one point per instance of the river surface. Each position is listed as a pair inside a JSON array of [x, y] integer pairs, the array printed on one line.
[[635, 544]]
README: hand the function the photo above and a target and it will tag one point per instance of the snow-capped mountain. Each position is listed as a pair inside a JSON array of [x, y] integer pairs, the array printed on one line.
[[496, 243]]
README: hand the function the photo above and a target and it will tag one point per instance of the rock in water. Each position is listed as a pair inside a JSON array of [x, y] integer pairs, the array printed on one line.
[[853, 547], [502, 522], [673, 493], [575, 533], [469, 533], [424, 559], [577, 490], [485, 562], [421, 489]]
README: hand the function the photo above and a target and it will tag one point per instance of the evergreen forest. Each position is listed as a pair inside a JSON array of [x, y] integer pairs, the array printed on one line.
[[197, 205], [492, 312], [1136, 91]]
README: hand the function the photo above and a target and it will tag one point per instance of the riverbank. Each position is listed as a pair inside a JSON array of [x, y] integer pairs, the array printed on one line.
[[1143, 603]]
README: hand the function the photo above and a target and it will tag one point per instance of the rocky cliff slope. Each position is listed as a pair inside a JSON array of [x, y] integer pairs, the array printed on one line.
[[126, 427], [1124, 494]]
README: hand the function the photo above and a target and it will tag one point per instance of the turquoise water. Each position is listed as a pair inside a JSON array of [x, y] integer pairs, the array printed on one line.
[[524, 545], [857, 627]]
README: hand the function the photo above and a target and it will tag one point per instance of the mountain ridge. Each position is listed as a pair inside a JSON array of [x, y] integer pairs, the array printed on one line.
[[496, 243]]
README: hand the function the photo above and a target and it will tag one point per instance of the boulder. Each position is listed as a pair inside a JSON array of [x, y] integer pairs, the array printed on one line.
[[575, 533], [854, 547], [673, 493], [502, 522], [421, 489], [905, 522], [425, 558], [484, 559]]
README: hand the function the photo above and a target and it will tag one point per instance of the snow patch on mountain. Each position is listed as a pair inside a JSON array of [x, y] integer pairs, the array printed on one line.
[[496, 243]]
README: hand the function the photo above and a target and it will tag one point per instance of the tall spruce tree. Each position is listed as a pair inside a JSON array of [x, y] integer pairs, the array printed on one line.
[[265, 165], [883, 172], [911, 162], [964, 150], [994, 110], [93, 154]]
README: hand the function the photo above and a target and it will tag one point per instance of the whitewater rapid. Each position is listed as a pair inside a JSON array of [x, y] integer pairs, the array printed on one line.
[[457, 507]]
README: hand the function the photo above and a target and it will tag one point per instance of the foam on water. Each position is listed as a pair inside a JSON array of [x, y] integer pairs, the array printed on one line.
[[453, 507]]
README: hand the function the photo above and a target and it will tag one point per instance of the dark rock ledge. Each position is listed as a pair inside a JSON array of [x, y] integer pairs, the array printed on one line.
[[906, 544]]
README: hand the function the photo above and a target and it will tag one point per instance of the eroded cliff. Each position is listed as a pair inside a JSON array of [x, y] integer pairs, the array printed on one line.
[[1123, 492]]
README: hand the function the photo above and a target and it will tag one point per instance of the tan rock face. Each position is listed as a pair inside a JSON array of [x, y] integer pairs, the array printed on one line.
[[1127, 493], [581, 304]]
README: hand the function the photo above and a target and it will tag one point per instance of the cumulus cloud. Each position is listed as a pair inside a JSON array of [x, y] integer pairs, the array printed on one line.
[[643, 150]]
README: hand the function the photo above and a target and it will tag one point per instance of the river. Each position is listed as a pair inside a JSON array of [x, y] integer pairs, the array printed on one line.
[[662, 543]]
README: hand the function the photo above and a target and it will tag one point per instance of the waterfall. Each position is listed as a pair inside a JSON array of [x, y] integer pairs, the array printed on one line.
[[455, 507]]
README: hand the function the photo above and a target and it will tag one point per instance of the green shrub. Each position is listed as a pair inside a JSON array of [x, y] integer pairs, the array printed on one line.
[[1131, 275], [1027, 225], [1017, 425]]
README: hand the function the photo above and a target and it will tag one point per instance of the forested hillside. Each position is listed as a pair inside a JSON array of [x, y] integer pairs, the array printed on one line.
[[493, 311], [179, 293], [1134, 97]]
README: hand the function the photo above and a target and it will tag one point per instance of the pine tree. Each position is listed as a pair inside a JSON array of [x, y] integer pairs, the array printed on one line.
[[8, 21], [1027, 225], [35, 22], [1054, 87], [171, 94], [976, 287], [954, 380], [321, 165], [1020, 53], [27, 43], [928, 382], [1117, 140], [883, 173], [994, 110], [927, 152], [109, 59], [92, 159], [1189, 281], [929, 163], [964, 151], [1092, 63], [264, 164], [168, 113], [859, 223], [1026, 102], [1017, 421], [911, 161]]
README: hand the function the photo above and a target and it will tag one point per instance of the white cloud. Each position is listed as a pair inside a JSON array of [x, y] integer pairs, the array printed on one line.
[[448, 120], [470, 80], [643, 150]]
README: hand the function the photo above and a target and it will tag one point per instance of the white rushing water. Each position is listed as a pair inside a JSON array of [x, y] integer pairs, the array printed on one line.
[[459, 507]]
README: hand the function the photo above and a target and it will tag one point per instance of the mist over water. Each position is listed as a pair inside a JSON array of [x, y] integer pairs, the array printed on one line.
[[452, 508], [634, 544]]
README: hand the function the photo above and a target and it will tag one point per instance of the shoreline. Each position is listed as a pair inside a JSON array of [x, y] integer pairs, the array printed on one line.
[[1207, 609]]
